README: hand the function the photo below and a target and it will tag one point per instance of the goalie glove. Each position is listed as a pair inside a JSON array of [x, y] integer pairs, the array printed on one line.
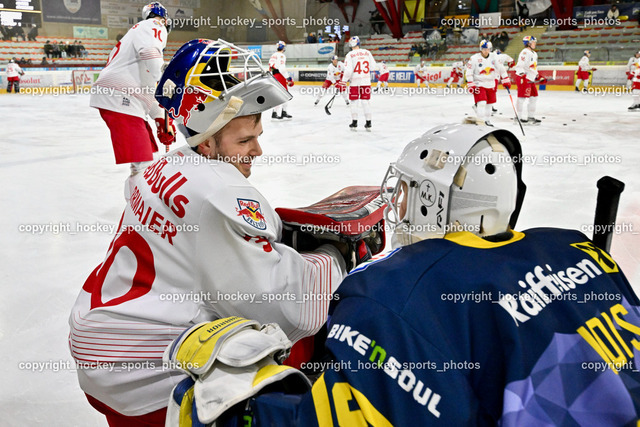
[[351, 219], [228, 361], [166, 136]]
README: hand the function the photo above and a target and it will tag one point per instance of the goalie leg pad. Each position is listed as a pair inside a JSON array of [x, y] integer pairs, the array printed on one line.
[[195, 350], [237, 363]]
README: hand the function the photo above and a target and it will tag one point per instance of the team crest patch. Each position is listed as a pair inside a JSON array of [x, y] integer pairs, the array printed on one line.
[[251, 212]]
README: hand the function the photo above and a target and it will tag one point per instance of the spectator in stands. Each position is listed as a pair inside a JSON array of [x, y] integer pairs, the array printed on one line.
[[523, 14], [44, 61], [64, 47], [377, 21], [82, 52], [71, 50], [55, 49], [5, 33], [18, 32], [502, 41], [311, 38], [613, 14], [33, 33], [413, 50], [48, 49]]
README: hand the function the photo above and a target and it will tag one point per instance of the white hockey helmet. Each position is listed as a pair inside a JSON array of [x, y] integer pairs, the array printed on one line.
[[528, 39], [458, 177], [354, 41], [486, 44], [334, 58], [280, 46], [587, 52], [202, 94]]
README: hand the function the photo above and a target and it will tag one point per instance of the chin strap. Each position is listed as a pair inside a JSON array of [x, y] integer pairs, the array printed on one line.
[[229, 113]]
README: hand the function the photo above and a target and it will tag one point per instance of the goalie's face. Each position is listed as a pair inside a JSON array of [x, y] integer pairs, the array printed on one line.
[[237, 143]]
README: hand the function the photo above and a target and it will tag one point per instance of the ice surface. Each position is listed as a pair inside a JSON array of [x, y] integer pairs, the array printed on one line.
[[57, 169]]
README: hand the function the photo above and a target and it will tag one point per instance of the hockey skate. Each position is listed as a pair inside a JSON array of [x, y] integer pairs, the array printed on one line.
[[316, 102], [353, 125], [285, 115], [274, 116], [532, 121], [635, 107], [367, 126]]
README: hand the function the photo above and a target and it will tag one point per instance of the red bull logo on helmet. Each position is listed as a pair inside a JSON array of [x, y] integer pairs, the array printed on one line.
[[250, 211], [189, 101]]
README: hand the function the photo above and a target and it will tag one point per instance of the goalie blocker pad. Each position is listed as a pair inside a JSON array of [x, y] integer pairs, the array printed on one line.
[[351, 215]]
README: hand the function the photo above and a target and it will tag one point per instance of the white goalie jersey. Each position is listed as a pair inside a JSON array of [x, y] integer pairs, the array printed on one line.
[[196, 242]]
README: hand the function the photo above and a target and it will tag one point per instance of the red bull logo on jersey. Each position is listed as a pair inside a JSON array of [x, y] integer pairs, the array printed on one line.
[[250, 211], [486, 71]]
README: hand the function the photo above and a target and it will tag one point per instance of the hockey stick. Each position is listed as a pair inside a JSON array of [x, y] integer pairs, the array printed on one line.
[[329, 104], [516, 113], [609, 190], [166, 128]]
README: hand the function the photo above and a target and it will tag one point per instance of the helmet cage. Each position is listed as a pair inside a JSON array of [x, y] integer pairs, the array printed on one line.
[[210, 82]]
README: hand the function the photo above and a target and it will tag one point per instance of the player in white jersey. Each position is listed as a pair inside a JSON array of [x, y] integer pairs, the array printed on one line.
[[420, 74], [483, 69], [456, 74], [505, 60], [278, 67], [123, 93], [196, 242], [335, 70], [635, 89], [584, 70], [358, 65], [383, 75], [527, 77], [13, 72], [632, 65]]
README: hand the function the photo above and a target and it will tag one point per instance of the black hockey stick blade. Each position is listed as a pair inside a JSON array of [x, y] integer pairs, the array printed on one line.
[[329, 104], [609, 190]]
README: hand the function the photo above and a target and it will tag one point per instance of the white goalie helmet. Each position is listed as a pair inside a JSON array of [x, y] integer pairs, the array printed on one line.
[[459, 177], [202, 91]]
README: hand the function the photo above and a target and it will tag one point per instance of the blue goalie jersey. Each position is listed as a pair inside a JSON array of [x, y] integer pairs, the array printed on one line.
[[539, 330]]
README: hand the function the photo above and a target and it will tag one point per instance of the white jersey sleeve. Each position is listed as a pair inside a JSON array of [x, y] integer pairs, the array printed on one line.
[[358, 65], [527, 64], [278, 61], [583, 64], [196, 242], [632, 64], [127, 83]]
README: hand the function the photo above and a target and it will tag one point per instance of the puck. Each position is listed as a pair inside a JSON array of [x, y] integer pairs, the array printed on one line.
[[543, 117], [564, 124], [573, 120]]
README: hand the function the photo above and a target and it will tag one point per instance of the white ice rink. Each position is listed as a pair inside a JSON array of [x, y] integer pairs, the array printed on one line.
[[57, 171]]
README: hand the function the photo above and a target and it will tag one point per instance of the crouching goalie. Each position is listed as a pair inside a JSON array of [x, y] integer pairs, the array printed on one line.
[[466, 322]]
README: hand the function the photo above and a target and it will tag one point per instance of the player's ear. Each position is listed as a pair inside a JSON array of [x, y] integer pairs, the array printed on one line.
[[206, 148]]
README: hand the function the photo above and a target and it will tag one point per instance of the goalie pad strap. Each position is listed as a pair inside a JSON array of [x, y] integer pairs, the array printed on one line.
[[195, 350]]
